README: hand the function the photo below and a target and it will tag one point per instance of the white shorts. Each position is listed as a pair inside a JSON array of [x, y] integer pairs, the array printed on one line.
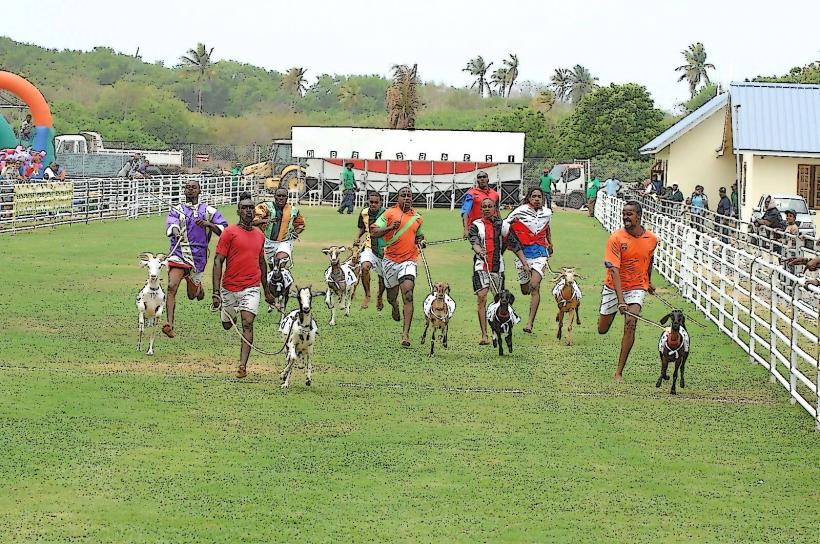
[[536, 265], [609, 300], [272, 248], [394, 272], [233, 301], [367, 256]]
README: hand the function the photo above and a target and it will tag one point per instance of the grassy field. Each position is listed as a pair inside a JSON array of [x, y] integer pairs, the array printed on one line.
[[99, 443]]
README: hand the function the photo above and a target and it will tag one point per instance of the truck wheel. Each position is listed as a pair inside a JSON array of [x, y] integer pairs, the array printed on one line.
[[292, 182], [575, 200]]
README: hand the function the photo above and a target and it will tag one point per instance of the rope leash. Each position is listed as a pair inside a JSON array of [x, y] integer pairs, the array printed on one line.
[[493, 286], [671, 307], [639, 318], [426, 268], [242, 336], [448, 241]]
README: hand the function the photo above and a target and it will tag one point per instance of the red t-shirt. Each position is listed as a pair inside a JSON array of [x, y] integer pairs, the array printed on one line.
[[241, 249]]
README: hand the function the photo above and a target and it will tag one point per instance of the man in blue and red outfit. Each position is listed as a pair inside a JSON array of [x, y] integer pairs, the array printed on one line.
[[471, 207]]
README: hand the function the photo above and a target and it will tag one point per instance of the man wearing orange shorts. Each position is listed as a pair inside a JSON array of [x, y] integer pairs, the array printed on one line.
[[628, 259]]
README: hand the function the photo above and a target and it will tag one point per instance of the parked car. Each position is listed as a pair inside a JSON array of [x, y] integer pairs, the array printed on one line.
[[791, 202]]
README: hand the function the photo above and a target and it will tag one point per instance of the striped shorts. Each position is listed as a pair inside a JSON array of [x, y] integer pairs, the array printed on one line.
[[609, 300]]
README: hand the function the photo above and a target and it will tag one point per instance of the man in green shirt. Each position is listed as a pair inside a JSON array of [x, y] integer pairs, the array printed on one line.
[[546, 181], [348, 186], [592, 195], [735, 207]]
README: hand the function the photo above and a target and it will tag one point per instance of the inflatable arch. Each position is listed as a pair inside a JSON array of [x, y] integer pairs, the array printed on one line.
[[40, 112]]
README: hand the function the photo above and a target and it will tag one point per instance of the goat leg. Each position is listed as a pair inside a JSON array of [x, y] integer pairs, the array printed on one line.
[[682, 365], [444, 337], [560, 319], [432, 340], [675, 376], [309, 363], [424, 334], [663, 376], [496, 332], [509, 340], [578, 313]]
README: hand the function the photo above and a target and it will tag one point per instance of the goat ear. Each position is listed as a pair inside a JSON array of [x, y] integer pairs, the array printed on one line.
[[512, 298], [326, 250], [496, 297], [161, 257], [447, 290], [342, 249], [665, 318]]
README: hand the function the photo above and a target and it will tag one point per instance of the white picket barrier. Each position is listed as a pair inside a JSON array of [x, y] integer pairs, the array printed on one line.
[[768, 311], [97, 199]]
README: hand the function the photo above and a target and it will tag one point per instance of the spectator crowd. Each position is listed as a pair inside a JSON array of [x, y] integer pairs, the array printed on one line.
[[22, 165]]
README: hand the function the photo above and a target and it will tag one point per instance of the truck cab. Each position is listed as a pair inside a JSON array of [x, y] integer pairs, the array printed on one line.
[[570, 184]]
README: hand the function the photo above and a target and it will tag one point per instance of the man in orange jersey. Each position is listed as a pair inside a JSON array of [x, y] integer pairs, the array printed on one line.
[[400, 228], [628, 259]]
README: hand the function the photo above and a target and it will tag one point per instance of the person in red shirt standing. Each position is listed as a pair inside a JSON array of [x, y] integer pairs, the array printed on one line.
[[242, 248], [471, 207]]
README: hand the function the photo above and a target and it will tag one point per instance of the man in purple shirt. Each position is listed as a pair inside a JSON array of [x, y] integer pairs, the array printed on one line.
[[190, 226]]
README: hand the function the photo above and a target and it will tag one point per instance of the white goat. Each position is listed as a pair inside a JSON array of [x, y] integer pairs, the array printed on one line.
[[151, 299], [300, 330], [341, 280]]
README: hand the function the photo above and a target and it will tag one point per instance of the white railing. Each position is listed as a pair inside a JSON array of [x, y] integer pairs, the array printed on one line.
[[97, 199], [767, 310]]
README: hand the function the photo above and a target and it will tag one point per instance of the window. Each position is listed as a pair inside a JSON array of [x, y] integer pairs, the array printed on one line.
[[808, 184]]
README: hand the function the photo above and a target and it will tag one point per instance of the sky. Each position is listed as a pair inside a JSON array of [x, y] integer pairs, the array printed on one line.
[[628, 41]]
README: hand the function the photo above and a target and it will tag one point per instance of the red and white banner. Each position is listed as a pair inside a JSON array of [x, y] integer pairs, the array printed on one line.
[[202, 157]]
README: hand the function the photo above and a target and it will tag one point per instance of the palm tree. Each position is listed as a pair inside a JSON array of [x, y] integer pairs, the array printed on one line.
[[695, 68], [349, 94], [198, 60], [499, 81], [294, 81], [403, 97], [478, 68], [544, 100], [582, 83], [512, 71], [561, 83]]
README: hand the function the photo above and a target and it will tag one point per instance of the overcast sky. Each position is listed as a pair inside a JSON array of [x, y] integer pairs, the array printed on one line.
[[628, 41]]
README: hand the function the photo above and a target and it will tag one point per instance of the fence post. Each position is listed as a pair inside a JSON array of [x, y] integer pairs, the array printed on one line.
[[792, 352], [752, 310], [772, 329]]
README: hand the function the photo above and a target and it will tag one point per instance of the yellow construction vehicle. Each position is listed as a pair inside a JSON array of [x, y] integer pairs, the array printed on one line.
[[280, 170]]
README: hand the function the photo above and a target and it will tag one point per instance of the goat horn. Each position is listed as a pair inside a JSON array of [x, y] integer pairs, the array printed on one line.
[[146, 256]]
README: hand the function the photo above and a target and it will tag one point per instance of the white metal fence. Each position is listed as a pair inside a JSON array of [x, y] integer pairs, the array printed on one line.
[[114, 198], [767, 310]]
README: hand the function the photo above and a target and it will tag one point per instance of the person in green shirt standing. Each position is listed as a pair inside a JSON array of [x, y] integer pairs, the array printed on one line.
[[546, 181], [348, 186], [735, 206], [592, 195], [235, 173]]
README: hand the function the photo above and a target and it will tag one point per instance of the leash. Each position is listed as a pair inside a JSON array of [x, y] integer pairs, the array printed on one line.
[[639, 318], [242, 336], [671, 307], [448, 241], [426, 268], [493, 287]]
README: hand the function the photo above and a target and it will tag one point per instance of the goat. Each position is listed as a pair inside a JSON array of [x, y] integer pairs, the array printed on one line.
[[355, 264], [673, 346], [438, 310], [279, 282], [300, 330], [151, 298], [340, 280], [501, 316], [567, 295]]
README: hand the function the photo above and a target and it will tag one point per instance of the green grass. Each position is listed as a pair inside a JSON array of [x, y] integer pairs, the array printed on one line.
[[99, 443]]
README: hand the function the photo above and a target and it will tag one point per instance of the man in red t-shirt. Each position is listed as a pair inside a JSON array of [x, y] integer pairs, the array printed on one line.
[[471, 206], [242, 248]]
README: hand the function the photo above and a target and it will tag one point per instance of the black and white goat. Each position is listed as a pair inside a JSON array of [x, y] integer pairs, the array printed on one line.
[[300, 330], [502, 317], [279, 282], [151, 299], [340, 280], [673, 346]]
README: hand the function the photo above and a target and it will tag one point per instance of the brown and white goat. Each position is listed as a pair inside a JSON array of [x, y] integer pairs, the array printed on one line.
[[673, 346], [340, 280], [151, 298], [438, 309], [568, 298], [355, 264]]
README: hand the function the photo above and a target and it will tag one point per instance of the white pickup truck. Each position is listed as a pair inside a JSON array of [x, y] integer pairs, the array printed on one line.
[[92, 143]]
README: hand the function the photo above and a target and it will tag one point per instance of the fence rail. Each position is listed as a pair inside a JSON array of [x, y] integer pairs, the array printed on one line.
[[95, 199], [764, 308]]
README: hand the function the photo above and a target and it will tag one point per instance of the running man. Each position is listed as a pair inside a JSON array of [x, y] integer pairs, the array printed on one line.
[[531, 224], [400, 227], [371, 256], [471, 207], [282, 224], [242, 249], [488, 262], [190, 225], [628, 259]]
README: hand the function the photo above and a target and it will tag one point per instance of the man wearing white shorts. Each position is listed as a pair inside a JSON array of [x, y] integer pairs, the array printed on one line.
[[241, 249], [371, 255], [281, 222], [628, 260]]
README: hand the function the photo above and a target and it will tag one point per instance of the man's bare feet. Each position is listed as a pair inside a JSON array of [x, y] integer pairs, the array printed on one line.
[[484, 341], [617, 378], [365, 303], [379, 304], [405, 342], [241, 372], [168, 330], [528, 329], [396, 313]]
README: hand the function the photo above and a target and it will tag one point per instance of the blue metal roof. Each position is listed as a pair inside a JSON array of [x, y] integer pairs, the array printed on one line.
[[684, 125], [776, 117]]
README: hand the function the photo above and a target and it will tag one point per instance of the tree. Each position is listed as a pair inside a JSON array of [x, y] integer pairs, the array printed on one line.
[[349, 93], [198, 60], [696, 67], [704, 95], [478, 68], [617, 118], [403, 97], [294, 81], [540, 140], [582, 83], [543, 101], [511, 65], [561, 83], [499, 81]]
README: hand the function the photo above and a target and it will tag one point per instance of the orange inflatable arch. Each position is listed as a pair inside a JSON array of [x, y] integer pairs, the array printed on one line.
[[31, 95]]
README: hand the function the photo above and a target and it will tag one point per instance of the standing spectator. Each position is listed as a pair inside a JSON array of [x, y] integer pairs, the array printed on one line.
[[546, 182], [771, 218], [735, 201], [700, 203], [125, 171], [675, 194], [657, 185], [348, 186], [791, 223], [54, 171], [612, 186], [26, 131], [724, 211], [592, 195]]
